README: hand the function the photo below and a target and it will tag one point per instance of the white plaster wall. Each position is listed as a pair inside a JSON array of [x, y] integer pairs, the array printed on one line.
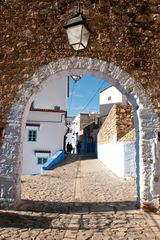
[[105, 104], [53, 94], [112, 155], [76, 124], [116, 96], [118, 157], [44, 116], [50, 136], [129, 159], [71, 138]]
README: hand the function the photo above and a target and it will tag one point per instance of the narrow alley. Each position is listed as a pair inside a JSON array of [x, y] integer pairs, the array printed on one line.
[[80, 199]]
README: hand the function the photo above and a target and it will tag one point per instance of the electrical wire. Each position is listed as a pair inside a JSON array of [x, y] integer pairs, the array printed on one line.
[[97, 91], [100, 85]]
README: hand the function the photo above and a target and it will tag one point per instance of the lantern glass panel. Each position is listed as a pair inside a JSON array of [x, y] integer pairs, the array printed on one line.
[[85, 36], [74, 34], [77, 46]]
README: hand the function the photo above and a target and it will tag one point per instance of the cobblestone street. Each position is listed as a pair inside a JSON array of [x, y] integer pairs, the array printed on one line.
[[80, 199]]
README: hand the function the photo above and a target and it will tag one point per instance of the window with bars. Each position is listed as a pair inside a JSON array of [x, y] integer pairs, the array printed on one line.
[[32, 135], [42, 160]]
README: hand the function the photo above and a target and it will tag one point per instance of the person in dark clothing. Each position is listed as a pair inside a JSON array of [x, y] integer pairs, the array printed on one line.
[[69, 147], [78, 147]]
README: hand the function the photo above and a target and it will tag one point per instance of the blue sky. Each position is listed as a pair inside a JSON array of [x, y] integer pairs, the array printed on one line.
[[84, 95]]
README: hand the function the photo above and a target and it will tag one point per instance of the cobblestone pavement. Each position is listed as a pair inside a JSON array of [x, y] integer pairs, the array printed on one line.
[[80, 200]]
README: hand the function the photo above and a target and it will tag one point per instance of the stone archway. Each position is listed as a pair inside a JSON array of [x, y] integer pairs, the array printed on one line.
[[147, 120]]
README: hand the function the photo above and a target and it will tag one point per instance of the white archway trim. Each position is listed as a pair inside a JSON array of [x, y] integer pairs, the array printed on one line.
[[147, 125]]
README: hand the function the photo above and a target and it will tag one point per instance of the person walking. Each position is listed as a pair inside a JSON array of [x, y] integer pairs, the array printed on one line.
[[78, 148], [69, 147]]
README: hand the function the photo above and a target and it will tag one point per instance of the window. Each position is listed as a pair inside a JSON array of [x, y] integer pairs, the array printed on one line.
[[109, 98], [138, 64], [32, 135], [56, 108], [42, 160]]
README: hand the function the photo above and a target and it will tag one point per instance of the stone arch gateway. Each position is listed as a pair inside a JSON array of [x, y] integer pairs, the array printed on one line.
[[148, 121]]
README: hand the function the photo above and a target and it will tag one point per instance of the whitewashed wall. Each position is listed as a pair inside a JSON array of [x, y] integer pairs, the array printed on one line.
[[71, 138], [50, 136], [76, 124], [53, 94], [116, 96], [119, 157], [106, 104]]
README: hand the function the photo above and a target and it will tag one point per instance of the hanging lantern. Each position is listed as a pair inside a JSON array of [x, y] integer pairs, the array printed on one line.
[[76, 78], [78, 32]]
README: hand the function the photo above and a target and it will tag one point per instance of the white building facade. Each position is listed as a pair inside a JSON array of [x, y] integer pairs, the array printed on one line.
[[107, 98], [117, 155], [45, 126], [72, 136]]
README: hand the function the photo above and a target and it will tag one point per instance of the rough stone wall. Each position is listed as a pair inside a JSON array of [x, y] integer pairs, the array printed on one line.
[[108, 130], [117, 125], [123, 32], [125, 121], [130, 136]]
